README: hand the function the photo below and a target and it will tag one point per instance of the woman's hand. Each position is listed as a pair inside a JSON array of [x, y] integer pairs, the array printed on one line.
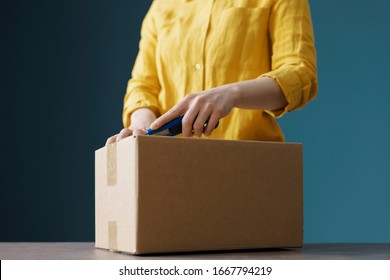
[[199, 109], [140, 122], [208, 106]]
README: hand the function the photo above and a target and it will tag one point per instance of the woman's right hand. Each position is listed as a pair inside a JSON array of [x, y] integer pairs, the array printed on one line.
[[140, 122]]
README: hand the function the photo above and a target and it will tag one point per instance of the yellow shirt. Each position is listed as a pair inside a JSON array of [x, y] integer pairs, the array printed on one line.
[[188, 46]]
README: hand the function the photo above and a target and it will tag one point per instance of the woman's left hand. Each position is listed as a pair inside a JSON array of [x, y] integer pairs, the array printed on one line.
[[201, 111]]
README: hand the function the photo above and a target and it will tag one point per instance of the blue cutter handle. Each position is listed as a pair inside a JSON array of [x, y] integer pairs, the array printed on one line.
[[173, 127]]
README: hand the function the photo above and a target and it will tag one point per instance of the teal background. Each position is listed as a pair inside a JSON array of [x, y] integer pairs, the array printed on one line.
[[346, 131], [64, 69]]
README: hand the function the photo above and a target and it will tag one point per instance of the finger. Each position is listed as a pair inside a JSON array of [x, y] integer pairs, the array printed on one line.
[[211, 124], [111, 140], [199, 123], [123, 134], [137, 132], [174, 112], [168, 116], [188, 121]]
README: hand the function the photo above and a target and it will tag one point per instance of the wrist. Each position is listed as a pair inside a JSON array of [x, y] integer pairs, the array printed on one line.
[[235, 94], [142, 118], [142, 112]]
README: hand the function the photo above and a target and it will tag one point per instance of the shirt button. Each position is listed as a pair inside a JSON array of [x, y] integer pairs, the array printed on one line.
[[203, 29], [197, 66]]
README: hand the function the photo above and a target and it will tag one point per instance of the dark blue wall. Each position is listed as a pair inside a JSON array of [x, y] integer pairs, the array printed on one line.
[[65, 73], [64, 70]]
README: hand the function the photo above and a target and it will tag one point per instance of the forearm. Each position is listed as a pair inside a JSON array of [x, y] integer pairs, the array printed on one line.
[[261, 94]]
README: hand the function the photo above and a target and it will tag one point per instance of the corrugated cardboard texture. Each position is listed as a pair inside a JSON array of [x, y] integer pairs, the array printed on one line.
[[197, 194]]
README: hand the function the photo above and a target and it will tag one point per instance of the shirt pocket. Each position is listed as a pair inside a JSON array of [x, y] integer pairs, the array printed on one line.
[[242, 37]]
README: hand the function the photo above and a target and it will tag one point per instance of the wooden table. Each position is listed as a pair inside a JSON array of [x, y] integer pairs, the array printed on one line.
[[87, 251]]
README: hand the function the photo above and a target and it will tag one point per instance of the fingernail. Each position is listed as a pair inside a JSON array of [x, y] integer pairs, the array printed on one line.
[[153, 126]]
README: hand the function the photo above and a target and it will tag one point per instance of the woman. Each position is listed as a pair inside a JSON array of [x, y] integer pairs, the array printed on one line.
[[241, 63]]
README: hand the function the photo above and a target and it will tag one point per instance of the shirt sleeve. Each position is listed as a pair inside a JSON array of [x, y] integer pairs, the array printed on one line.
[[293, 53], [143, 87]]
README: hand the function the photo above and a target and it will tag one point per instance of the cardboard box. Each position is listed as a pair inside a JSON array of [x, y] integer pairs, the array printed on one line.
[[167, 194]]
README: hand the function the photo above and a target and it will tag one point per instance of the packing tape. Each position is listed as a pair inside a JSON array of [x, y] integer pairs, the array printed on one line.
[[111, 165], [112, 236]]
